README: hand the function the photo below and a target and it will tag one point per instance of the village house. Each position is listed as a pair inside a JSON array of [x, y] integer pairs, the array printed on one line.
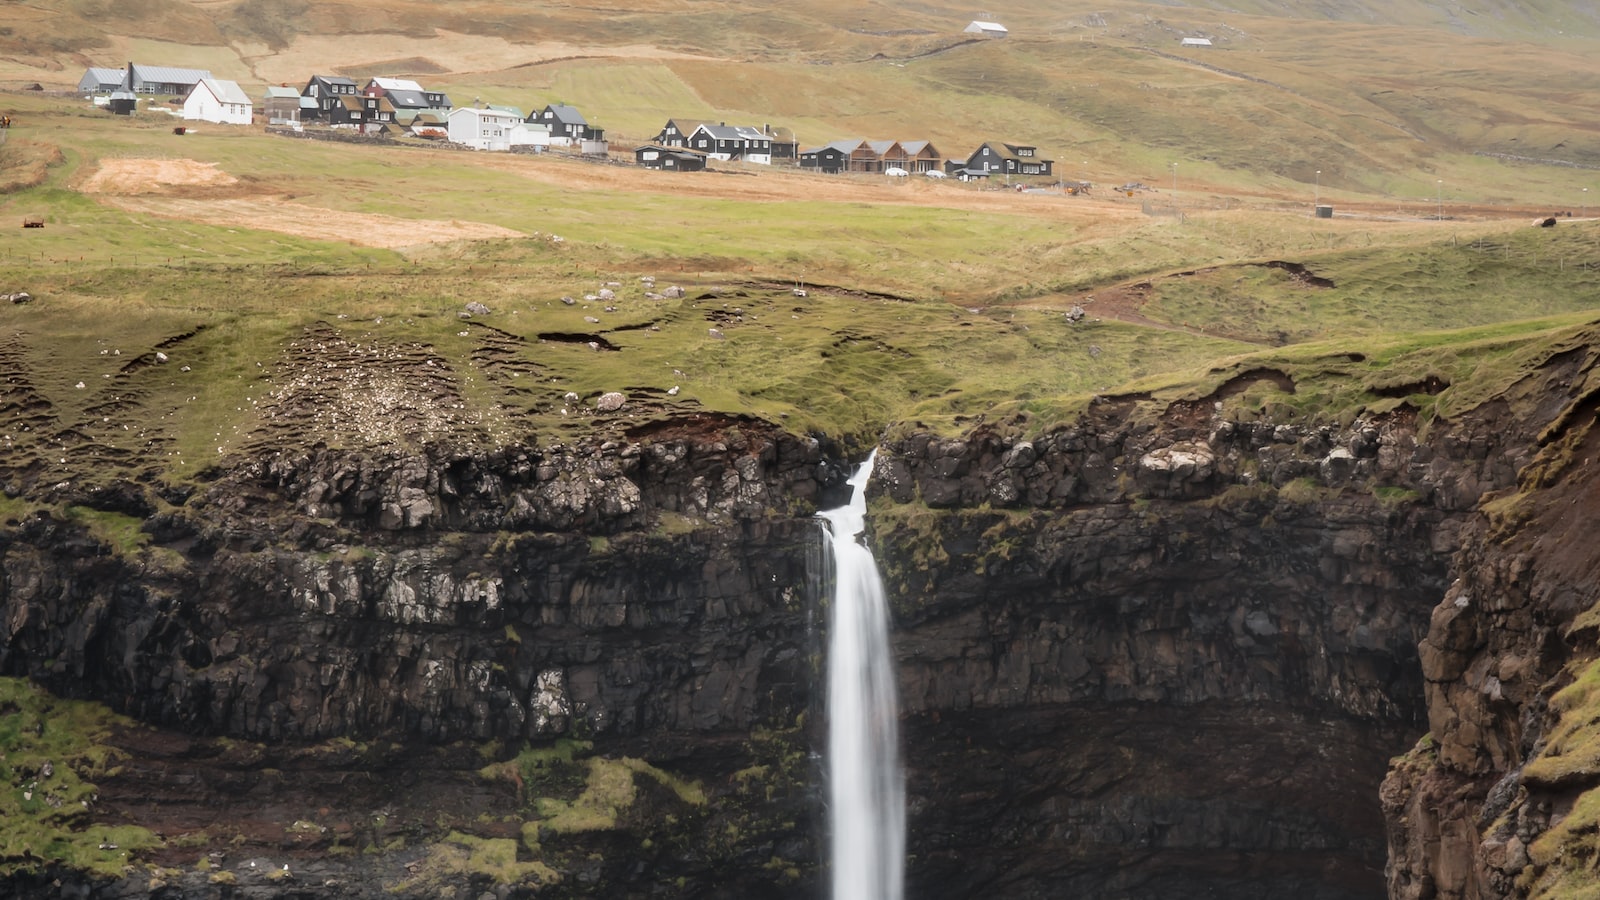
[[326, 92], [567, 125], [139, 79], [363, 113], [999, 158], [762, 144], [407, 98], [732, 142], [494, 129], [98, 81], [281, 105], [676, 132], [671, 159], [872, 156], [784, 143], [218, 100], [841, 156]]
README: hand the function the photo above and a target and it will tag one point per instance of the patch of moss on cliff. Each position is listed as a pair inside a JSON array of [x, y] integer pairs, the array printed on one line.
[[118, 531], [565, 793], [458, 855], [1563, 859], [1572, 748], [50, 749]]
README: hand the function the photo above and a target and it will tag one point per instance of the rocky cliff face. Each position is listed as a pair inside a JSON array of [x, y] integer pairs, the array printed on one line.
[[1167, 651], [1495, 801]]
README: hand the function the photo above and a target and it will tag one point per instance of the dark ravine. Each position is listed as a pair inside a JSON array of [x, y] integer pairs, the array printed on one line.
[[1162, 652]]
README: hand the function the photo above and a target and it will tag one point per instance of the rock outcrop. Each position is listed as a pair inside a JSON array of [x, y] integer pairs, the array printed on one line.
[[1165, 651], [1496, 800]]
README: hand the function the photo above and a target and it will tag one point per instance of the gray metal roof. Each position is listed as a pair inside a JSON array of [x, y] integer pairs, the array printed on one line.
[[102, 76], [405, 98], [568, 115], [168, 74]]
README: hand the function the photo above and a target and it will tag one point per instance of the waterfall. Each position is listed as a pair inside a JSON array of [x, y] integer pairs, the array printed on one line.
[[866, 789]]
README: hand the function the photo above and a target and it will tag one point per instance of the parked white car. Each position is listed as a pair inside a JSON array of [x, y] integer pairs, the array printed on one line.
[[934, 173], [895, 172]]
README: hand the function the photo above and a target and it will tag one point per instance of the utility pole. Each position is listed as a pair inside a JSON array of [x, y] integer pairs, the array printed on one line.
[[1440, 183], [1316, 197]]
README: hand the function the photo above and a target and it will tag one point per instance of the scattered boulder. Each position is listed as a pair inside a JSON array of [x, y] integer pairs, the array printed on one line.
[[477, 309], [610, 401], [568, 301], [19, 297], [607, 294], [1076, 314], [674, 293], [591, 320], [716, 334]]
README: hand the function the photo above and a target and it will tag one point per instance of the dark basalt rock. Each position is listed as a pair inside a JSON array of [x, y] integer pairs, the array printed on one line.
[[1146, 655]]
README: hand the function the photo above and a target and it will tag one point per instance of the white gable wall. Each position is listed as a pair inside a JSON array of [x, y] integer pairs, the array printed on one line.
[[203, 105], [486, 129]]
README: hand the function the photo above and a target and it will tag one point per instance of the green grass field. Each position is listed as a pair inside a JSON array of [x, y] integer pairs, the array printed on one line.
[[937, 304]]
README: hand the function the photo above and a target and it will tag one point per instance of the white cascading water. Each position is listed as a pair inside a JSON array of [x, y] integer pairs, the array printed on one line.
[[866, 788]]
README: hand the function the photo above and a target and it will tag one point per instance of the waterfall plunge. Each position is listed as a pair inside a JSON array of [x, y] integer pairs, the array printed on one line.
[[866, 789]]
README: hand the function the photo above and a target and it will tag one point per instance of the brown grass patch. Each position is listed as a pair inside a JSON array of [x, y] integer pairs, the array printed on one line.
[[24, 164], [270, 214], [153, 176], [186, 189]]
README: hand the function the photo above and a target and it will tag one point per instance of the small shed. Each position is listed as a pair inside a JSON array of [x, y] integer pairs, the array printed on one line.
[[987, 29], [123, 102]]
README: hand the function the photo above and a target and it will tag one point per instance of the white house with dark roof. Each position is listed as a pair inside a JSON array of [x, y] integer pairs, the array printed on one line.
[[218, 100]]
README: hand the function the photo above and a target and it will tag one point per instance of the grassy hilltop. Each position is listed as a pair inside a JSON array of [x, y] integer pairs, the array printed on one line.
[[250, 261]]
